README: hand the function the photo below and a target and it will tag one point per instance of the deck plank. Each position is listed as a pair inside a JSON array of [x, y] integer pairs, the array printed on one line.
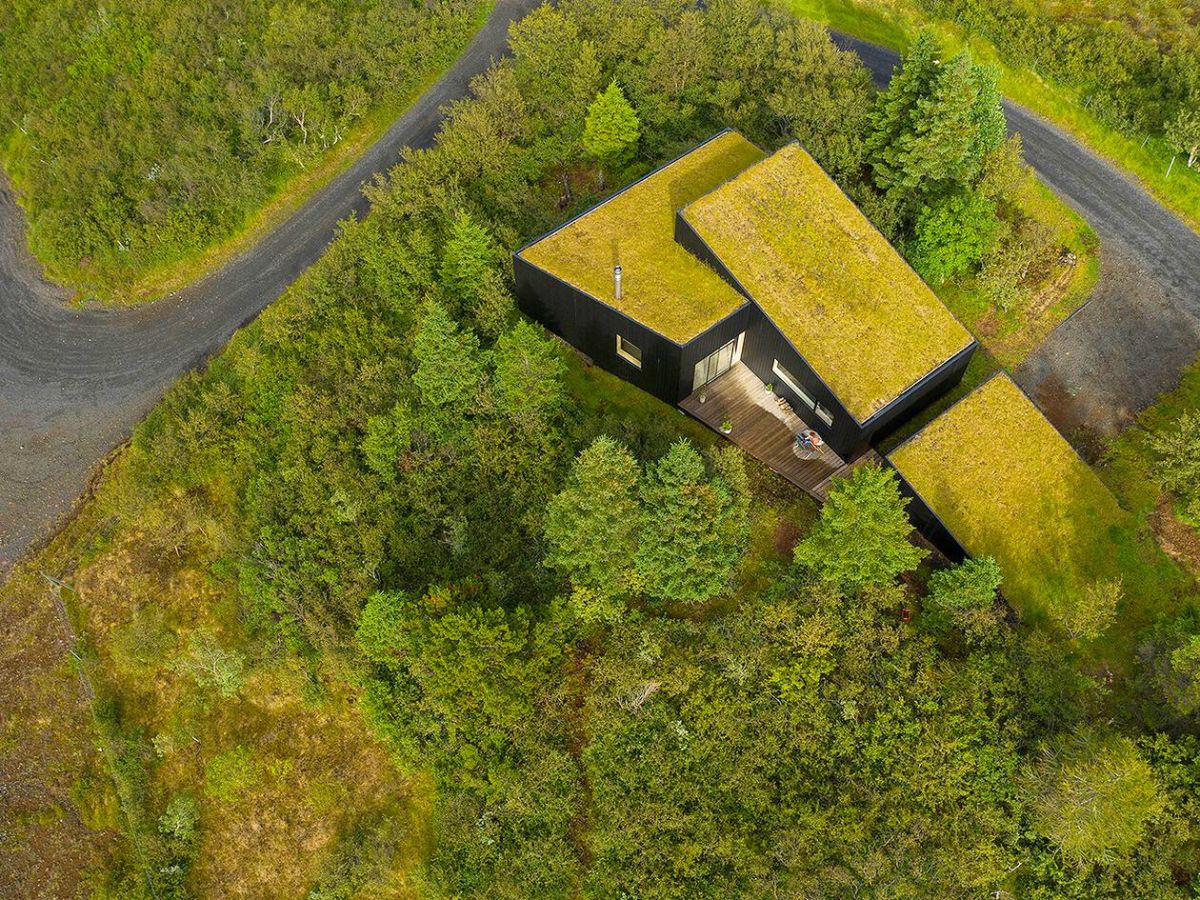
[[764, 425]]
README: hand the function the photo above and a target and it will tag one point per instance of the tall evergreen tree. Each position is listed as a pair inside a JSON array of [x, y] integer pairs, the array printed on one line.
[[449, 362], [693, 528], [466, 258], [529, 376], [896, 107], [591, 526], [861, 538], [934, 125], [612, 129]]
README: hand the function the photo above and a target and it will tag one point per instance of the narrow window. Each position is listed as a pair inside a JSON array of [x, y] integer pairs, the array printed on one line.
[[824, 414], [628, 352], [786, 377]]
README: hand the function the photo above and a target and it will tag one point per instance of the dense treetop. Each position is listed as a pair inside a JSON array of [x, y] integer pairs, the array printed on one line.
[[139, 133]]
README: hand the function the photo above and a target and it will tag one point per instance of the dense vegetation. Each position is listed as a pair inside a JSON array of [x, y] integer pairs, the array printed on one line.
[[394, 490], [139, 134], [1138, 65]]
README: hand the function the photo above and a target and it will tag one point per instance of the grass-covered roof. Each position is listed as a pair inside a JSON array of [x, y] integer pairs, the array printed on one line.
[[664, 287], [828, 279], [1007, 485]]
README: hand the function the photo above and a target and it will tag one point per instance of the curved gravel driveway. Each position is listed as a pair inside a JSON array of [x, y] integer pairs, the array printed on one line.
[[74, 382]]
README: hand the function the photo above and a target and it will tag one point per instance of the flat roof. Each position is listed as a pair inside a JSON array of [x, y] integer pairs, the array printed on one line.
[[664, 287], [831, 283], [1007, 485]]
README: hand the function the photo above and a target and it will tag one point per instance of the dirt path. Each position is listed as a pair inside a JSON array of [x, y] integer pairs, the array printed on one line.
[[74, 382]]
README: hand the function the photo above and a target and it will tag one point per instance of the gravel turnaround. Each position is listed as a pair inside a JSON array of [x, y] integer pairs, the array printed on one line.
[[73, 382]]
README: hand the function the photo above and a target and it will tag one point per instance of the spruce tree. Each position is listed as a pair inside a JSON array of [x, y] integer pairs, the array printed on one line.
[[449, 368], [861, 538], [591, 527], [612, 129], [467, 256], [693, 528]]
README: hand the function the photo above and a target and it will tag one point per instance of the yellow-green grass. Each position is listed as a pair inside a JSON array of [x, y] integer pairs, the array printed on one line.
[[664, 287], [830, 282], [1008, 485], [894, 23]]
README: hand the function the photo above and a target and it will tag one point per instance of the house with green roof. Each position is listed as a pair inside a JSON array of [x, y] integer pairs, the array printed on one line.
[[991, 476], [748, 289]]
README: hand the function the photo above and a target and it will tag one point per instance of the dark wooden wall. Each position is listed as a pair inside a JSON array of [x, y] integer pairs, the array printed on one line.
[[714, 339], [592, 326], [764, 345], [919, 395], [926, 521]]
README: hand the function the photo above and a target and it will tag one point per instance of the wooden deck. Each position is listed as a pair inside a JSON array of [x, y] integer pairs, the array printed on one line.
[[765, 426]]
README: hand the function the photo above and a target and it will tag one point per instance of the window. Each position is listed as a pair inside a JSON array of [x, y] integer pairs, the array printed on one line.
[[786, 377], [628, 352], [824, 414]]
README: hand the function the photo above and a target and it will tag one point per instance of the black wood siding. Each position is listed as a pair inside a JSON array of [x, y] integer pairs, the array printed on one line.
[[592, 326], [926, 521], [764, 345], [920, 394]]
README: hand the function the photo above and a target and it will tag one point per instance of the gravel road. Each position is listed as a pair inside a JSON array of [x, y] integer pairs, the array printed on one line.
[[74, 382]]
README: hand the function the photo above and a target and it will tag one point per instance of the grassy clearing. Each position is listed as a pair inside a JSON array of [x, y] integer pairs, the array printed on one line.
[[1009, 335], [893, 23], [283, 768], [1009, 486], [664, 287], [828, 279]]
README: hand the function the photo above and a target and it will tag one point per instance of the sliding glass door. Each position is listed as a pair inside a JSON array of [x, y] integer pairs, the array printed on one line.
[[716, 363]]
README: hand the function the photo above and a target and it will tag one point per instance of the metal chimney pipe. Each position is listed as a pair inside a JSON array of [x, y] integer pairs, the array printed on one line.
[[617, 282]]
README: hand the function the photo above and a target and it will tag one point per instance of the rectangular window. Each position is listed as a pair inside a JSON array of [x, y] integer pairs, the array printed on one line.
[[628, 352], [824, 414], [786, 377]]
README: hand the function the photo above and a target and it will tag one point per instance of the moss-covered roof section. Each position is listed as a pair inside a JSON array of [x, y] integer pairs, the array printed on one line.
[[1008, 485], [664, 287], [828, 279]]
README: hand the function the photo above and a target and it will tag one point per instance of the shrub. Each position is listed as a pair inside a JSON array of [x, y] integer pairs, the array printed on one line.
[[180, 818], [213, 667], [1177, 451], [952, 236], [1093, 795]]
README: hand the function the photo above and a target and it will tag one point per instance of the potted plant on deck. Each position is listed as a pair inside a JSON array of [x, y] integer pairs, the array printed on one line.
[[726, 426]]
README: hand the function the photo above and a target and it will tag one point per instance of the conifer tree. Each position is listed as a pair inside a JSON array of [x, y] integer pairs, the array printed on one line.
[[591, 525], [466, 258], [449, 364], [529, 376], [693, 528], [612, 129], [861, 538]]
